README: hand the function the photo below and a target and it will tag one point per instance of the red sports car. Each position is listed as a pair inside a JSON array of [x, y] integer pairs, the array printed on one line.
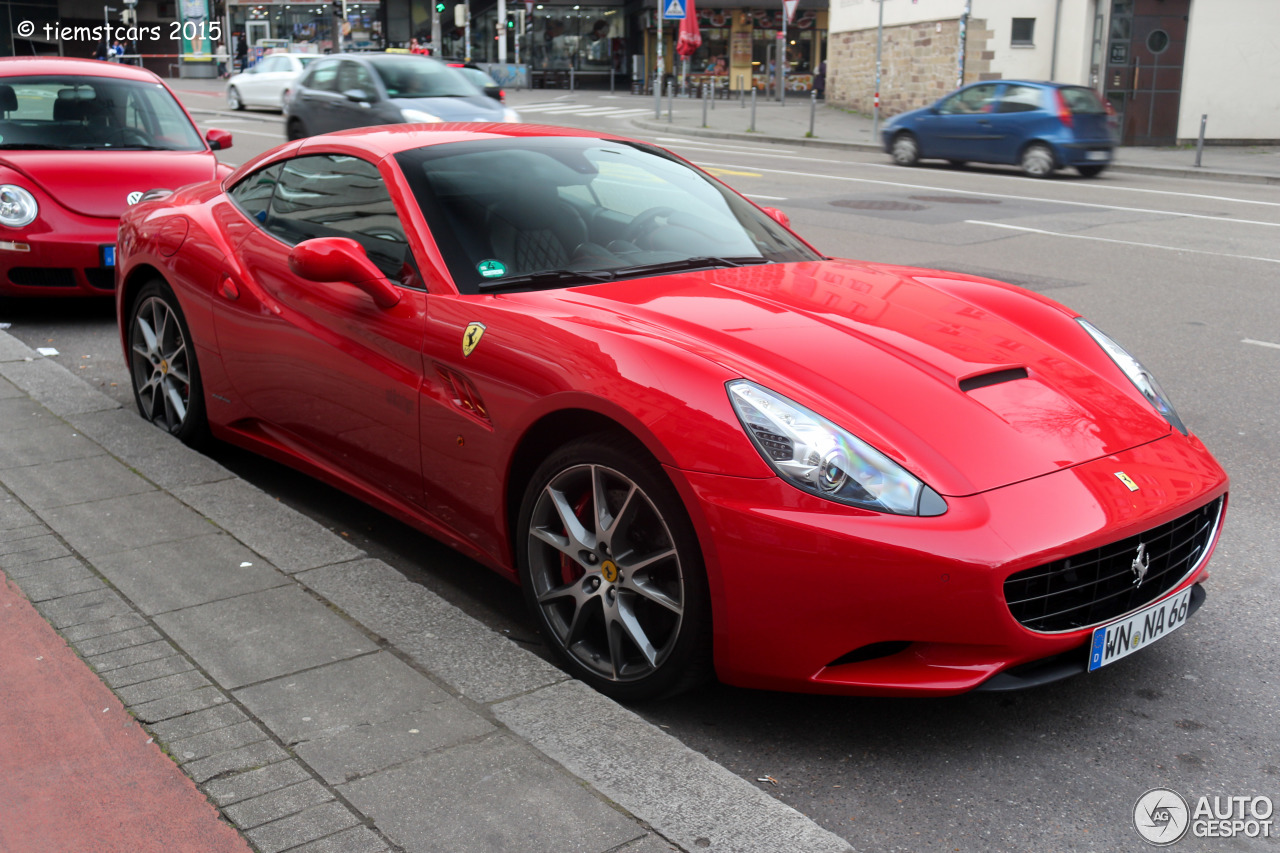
[[80, 141], [697, 443]]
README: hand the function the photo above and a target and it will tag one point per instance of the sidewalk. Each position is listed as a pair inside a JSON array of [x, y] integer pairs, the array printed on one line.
[[318, 699]]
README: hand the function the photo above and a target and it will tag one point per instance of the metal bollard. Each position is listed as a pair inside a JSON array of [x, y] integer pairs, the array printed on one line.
[[657, 97], [1204, 119], [704, 104], [753, 109], [671, 95], [742, 94], [610, 76], [813, 110], [570, 79]]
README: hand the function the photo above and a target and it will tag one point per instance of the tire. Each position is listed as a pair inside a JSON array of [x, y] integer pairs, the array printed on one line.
[[1090, 171], [905, 150], [233, 99], [619, 592], [1037, 161], [163, 367], [296, 130]]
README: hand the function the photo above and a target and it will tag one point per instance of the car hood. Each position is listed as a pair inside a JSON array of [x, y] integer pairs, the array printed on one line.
[[462, 108], [916, 362], [98, 183]]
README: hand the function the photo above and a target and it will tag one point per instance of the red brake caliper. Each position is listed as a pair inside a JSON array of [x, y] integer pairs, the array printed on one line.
[[570, 571]]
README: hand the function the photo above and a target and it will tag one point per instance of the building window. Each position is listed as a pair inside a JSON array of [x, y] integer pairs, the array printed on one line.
[[1024, 32]]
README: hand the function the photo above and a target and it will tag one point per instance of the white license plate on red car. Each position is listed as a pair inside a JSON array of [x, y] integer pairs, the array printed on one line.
[[1097, 155], [1125, 636]]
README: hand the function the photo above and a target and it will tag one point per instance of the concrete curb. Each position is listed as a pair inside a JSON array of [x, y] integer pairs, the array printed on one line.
[[178, 655]]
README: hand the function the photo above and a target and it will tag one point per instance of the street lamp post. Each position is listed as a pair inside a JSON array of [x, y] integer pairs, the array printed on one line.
[[875, 115]]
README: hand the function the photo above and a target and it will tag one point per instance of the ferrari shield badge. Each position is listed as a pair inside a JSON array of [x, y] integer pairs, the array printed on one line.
[[471, 337], [1127, 480]]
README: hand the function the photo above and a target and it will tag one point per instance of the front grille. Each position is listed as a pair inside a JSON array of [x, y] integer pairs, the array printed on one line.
[[43, 276], [1099, 585], [103, 278]]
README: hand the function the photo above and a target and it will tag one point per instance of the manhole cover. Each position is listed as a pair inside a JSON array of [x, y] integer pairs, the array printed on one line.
[[876, 205], [955, 199]]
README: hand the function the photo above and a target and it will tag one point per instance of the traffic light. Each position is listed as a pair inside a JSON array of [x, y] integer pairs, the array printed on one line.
[[337, 8], [511, 23], [440, 7]]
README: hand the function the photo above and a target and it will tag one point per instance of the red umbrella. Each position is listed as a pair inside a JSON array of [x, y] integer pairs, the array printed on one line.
[[690, 38]]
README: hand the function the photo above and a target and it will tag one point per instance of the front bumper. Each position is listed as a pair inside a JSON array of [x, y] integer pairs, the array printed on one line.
[[812, 596], [62, 255]]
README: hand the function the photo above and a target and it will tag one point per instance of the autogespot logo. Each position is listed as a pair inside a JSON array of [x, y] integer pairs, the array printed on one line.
[[1161, 817]]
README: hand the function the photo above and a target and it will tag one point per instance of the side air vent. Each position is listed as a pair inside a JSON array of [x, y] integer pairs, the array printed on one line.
[[996, 377], [463, 393]]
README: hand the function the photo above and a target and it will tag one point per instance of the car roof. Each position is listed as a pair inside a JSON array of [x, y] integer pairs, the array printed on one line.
[[14, 66]]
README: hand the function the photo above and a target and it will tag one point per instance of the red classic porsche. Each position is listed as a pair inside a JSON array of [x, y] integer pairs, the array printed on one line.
[[698, 444], [80, 141]]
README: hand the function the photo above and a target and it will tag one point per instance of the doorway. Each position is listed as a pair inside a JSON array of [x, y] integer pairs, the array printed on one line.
[[1145, 53]]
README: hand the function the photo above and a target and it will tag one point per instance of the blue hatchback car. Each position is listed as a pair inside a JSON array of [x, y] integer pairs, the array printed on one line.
[[1039, 127]]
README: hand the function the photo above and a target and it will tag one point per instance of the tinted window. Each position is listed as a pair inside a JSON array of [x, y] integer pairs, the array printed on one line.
[[330, 195], [253, 194], [353, 75], [323, 77], [1020, 99], [420, 77], [1082, 101]]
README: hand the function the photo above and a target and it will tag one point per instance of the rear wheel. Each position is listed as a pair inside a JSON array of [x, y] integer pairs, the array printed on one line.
[[162, 364], [612, 570], [1091, 171], [1037, 161], [906, 150], [233, 99]]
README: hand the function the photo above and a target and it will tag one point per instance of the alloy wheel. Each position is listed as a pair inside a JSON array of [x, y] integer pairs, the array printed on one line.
[[160, 364]]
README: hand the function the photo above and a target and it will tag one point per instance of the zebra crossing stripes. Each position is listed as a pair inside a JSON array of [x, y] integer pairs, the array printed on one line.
[[560, 108]]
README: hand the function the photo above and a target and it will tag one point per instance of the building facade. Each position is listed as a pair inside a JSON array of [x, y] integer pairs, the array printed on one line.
[[1163, 64]]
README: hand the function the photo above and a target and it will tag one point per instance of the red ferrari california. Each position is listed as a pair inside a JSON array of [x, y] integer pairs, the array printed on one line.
[[700, 446], [80, 141]]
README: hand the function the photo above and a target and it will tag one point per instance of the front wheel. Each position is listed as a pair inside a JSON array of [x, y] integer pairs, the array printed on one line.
[[162, 363], [906, 150], [233, 99], [1037, 161], [612, 570]]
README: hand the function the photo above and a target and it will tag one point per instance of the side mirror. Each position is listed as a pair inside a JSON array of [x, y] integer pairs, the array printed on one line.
[[778, 216], [331, 259], [360, 96], [219, 140]]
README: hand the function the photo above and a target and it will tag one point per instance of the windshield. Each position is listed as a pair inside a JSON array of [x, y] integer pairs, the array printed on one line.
[[420, 77], [527, 213], [99, 113]]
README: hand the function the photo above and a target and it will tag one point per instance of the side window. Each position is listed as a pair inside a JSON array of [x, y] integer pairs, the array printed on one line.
[[975, 99], [353, 75], [332, 195], [253, 194], [324, 77], [1020, 99]]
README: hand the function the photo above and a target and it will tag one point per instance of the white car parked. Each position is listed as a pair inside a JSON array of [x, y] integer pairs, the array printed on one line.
[[265, 83]]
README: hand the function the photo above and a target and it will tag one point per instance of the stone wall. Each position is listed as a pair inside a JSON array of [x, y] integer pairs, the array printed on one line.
[[918, 65]]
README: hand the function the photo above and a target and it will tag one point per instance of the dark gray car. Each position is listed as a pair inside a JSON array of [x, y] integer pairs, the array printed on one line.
[[341, 92]]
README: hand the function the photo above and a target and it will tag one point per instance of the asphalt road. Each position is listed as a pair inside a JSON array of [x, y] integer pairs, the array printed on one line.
[[1181, 272]]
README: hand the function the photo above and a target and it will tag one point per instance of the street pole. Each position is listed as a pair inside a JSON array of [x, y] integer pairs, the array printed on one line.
[[875, 116], [782, 59], [437, 45], [657, 80], [466, 32], [502, 31]]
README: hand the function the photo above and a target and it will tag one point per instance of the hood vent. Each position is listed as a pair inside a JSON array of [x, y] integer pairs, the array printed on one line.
[[996, 377]]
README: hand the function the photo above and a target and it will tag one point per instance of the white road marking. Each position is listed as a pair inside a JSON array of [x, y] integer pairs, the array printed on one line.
[[727, 148], [1042, 200], [766, 197], [1260, 343], [1044, 233]]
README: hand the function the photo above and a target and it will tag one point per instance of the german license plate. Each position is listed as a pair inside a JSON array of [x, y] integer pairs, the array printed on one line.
[[1125, 636], [108, 256], [1097, 155]]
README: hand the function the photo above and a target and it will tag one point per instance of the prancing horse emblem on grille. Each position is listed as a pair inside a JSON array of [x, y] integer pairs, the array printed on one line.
[[1141, 563]]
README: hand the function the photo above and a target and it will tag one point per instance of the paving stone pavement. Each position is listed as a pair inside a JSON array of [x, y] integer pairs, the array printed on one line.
[[314, 695]]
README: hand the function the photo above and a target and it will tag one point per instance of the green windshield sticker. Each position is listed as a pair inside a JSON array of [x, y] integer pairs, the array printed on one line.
[[491, 269]]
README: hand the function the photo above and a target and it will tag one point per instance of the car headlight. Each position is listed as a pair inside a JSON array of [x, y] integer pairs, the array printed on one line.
[[17, 206], [1138, 375], [510, 116], [813, 454], [419, 117]]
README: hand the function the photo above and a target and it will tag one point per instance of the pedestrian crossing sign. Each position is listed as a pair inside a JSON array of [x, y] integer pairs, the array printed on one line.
[[673, 11]]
